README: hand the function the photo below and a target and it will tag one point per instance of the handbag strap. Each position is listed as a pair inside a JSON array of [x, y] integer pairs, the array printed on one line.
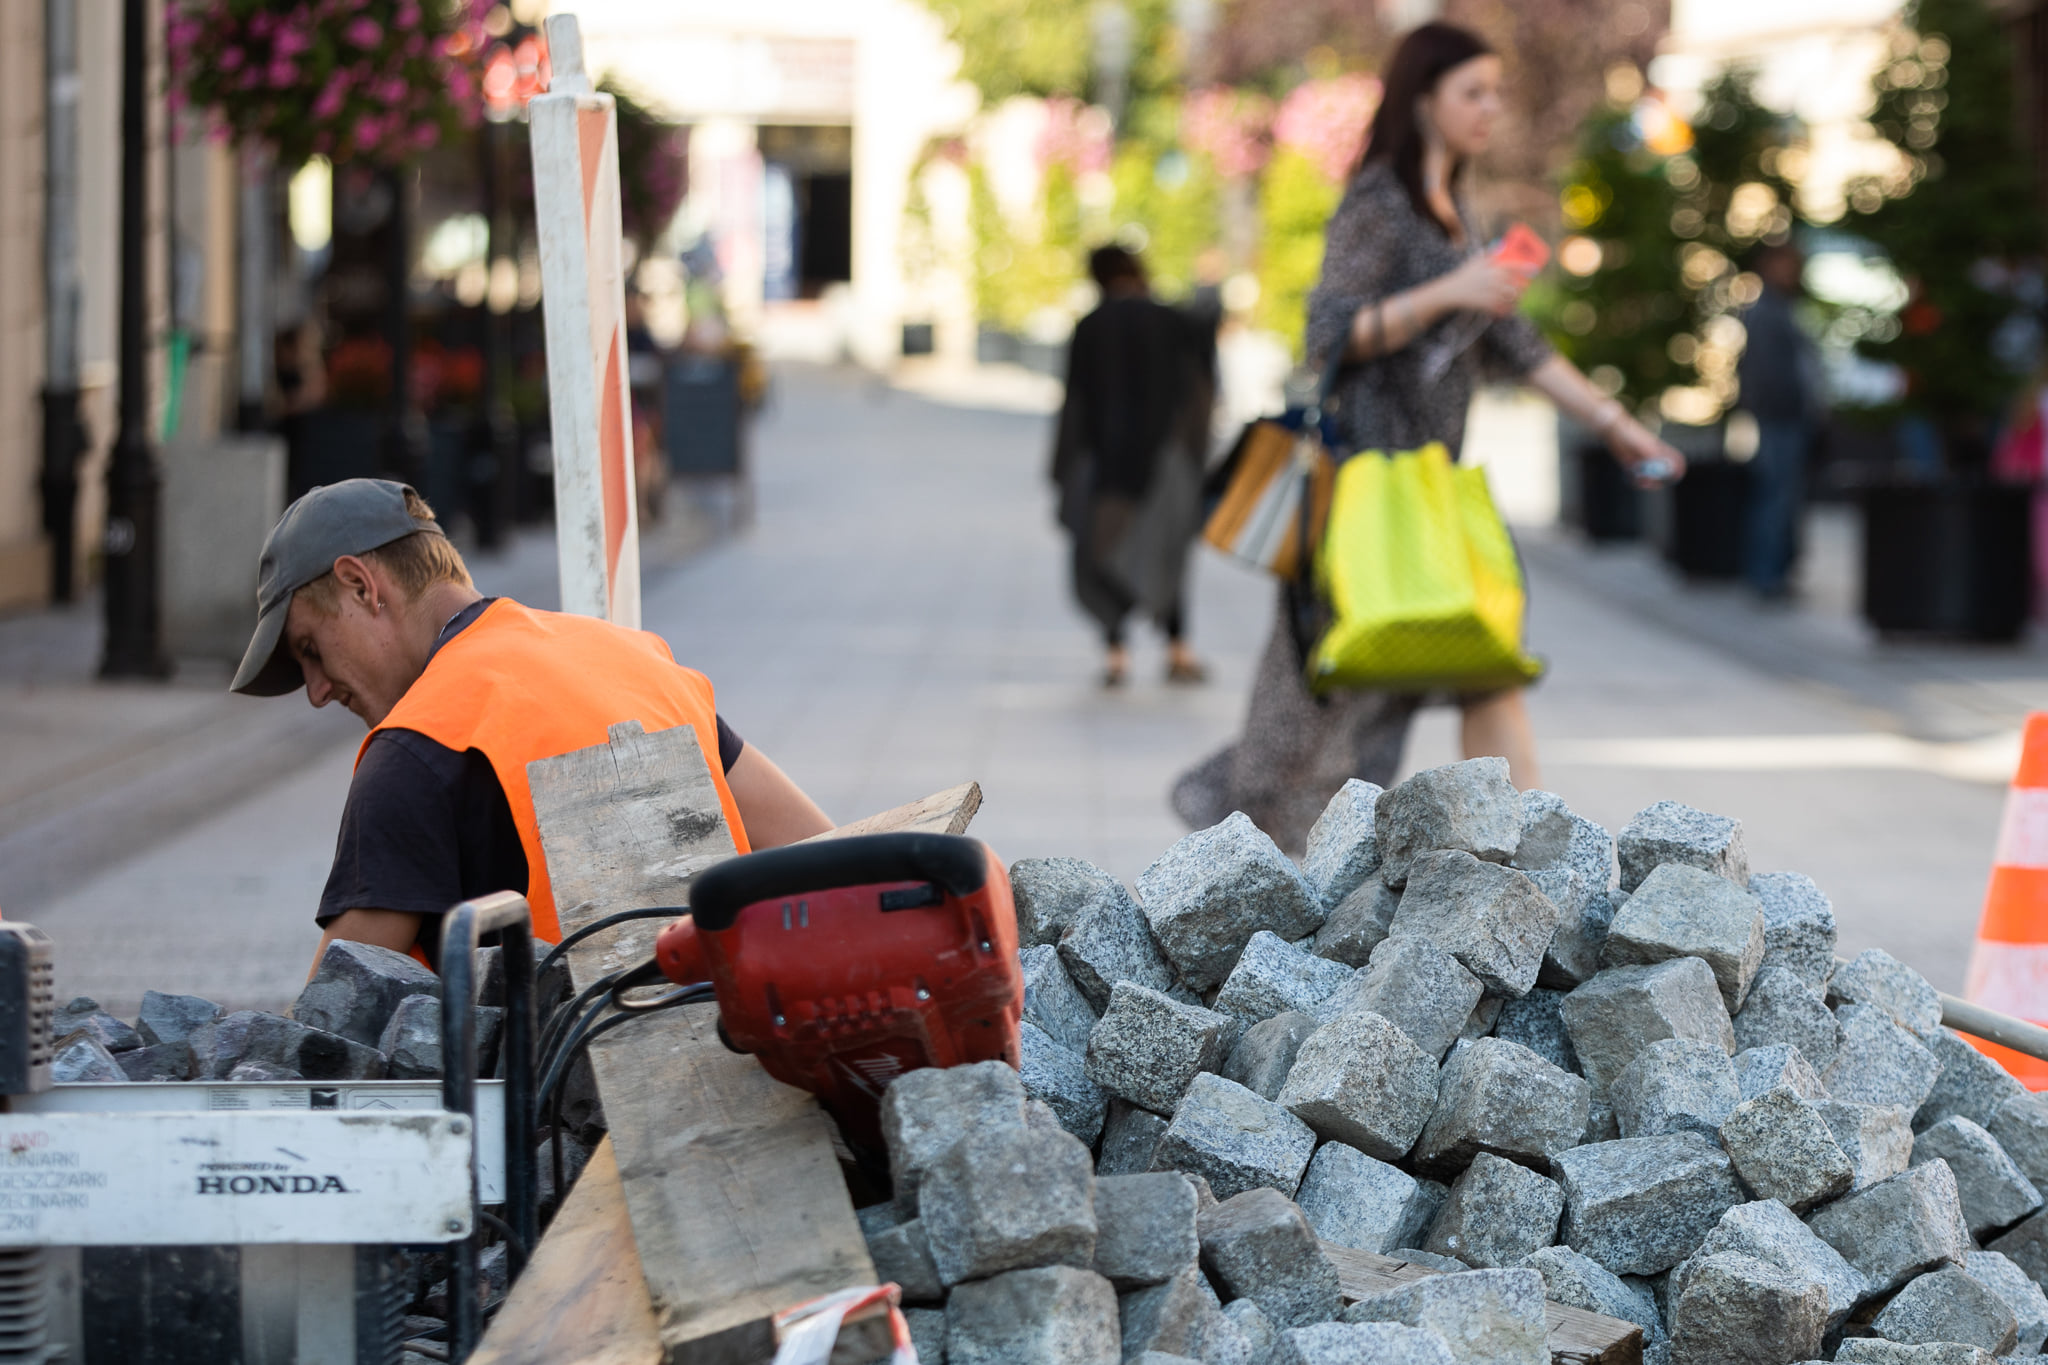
[[1326, 384]]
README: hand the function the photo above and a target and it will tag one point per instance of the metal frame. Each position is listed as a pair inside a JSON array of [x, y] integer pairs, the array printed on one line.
[[507, 914]]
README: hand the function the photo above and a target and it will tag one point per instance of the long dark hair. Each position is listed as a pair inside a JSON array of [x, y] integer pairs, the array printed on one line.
[[1417, 65]]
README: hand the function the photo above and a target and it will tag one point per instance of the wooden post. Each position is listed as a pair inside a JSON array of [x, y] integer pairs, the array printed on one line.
[[575, 134]]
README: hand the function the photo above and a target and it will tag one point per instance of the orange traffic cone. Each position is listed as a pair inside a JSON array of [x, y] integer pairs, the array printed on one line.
[[2009, 966]]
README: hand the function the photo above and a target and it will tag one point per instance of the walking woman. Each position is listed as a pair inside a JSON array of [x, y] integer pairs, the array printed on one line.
[[1141, 381], [1419, 310]]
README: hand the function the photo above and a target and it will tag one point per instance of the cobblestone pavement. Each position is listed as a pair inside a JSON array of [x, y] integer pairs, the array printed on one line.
[[894, 619]]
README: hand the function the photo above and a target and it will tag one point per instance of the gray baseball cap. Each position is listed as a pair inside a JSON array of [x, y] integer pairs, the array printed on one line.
[[352, 517]]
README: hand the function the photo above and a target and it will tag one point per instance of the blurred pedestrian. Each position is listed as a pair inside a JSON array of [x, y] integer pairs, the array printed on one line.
[[1418, 309], [1780, 378], [1127, 457]]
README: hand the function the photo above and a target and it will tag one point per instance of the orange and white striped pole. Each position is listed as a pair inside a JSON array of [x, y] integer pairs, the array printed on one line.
[[2009, 966], [575, 133]]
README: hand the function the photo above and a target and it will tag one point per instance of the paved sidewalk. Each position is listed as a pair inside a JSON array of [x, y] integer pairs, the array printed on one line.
[[896, 620]]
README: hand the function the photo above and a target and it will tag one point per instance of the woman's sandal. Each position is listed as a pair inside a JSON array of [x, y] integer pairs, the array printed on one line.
[[1187, 672]]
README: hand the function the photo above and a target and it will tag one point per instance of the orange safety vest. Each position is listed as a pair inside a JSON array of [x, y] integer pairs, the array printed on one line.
[[520, 684]]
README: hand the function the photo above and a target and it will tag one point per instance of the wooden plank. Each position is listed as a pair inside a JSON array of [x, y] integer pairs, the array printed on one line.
[[737, 1204], [1577, 1337], [582, 1300], [946, 812]]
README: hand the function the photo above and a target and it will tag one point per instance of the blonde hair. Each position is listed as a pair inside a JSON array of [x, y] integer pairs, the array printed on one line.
[[415, 562]]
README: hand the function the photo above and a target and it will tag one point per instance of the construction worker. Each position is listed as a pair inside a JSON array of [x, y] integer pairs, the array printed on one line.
[[363, 600]]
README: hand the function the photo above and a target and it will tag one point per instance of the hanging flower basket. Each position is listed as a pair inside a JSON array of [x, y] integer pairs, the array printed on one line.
[[350, 80]]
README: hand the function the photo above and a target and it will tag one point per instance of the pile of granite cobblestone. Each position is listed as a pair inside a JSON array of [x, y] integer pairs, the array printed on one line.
[[1474, 1032]]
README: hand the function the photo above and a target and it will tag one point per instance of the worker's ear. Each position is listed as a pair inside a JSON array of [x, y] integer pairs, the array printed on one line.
[[358, 583]]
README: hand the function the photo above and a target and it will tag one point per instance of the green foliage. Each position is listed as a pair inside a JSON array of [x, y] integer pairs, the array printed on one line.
[[1295, 204], [1617, 322], [1672, 232], [1174, 201], [1946, 101], [1017, 274], [1046, 47]]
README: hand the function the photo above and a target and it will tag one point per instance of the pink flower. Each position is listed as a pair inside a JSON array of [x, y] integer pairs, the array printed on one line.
[[389, 91], [369, 132], [230, 59], [331, 99], [363, 32], [283, 74], [408, 16], [1326, 121], [460, 86], [291, 41], [1075, 135], [1229, 127]]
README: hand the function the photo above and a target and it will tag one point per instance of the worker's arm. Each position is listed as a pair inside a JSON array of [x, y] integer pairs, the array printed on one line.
[[393, 929], [773, 808]]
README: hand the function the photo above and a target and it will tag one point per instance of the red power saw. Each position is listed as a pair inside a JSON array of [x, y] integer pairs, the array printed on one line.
[[844, 963]]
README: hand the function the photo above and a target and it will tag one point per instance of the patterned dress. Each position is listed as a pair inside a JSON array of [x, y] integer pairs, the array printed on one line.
[[1298, 749]]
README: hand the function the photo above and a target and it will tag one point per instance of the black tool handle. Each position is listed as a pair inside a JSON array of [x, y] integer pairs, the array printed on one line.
[[957, 864]]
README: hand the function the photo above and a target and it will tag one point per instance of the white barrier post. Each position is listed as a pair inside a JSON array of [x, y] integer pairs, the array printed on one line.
[[575, 133]]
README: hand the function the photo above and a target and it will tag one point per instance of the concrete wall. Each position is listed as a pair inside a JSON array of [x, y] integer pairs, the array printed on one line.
[[718, 65], [24, 561], [204, 206]]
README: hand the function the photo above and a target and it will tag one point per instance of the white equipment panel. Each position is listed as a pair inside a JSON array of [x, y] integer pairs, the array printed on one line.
[[349, 1097], [281, 1175]]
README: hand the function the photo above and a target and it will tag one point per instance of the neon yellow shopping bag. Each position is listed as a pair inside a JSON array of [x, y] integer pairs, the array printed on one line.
[[1422, 582]]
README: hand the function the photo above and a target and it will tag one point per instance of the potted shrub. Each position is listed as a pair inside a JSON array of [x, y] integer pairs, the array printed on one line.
[[1947, 549]]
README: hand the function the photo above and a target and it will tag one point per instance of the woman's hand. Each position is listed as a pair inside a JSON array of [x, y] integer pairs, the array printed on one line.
[[1484, 286], [1643, 454]]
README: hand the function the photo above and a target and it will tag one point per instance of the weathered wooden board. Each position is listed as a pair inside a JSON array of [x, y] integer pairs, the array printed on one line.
[[736, 1201], [946, 812], [1577, 1337], [582, 1300]]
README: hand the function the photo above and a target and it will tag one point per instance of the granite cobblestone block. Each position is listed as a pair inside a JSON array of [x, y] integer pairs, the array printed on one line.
[[1672, 832], [1675, 1085], [1414, 985], [1343, 847], [1470, 806], [1235, 1140], [1147, 1048], [1681, 911], [1359, 1080], [1993, 1192], [1499, 1097], [1492, 919], [1497, 1213], [1356, 1201], [1207, 895], [1781, 1008], [1799, 927], [1273, 976], [1641, 1205], [1622, 1010], [1052, 1000], [1265, 1052], [1256, 1245], [1897, 1228]]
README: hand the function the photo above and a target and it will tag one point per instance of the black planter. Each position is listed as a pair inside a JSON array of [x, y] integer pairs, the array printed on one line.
[[1704, 539], [1952, 558], [1610, 506], [700, 416]]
